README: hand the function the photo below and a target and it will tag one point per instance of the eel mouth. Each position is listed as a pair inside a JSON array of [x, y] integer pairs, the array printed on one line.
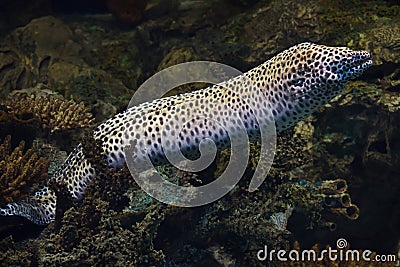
[[355, 64]]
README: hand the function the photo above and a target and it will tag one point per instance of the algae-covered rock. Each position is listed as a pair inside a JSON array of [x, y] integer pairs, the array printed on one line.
[[44, 52], [383, 42], [11, 253], [30, 50]]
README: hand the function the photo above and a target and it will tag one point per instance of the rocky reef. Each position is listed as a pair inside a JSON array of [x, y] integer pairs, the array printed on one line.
[[335, 175]]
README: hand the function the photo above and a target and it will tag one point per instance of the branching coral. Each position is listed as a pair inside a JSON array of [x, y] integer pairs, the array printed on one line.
[[19, 170], [52, 111]]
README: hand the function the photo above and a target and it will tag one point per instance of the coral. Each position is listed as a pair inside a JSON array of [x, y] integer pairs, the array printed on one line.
[[300, 21], [292, 155], [388, 36], [371, 141], [19, 171], [357, 138], [245, 221], [51, 111], [109, 190], [11, 253], [383, 42], [259, 218], [99, 232], [383, 95], [283, 190], [97, 235], [333, 197]]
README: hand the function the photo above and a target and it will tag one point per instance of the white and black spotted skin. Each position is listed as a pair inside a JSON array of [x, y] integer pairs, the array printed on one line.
[[291, 86]]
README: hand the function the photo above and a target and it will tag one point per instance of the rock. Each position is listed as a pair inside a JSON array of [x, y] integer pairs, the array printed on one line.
[[44, 52]]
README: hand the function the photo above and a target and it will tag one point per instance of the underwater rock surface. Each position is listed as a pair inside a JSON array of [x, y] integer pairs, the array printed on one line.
[[96, 60]]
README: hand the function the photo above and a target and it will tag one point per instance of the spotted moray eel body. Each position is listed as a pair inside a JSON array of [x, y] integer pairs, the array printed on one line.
[[292, 84]]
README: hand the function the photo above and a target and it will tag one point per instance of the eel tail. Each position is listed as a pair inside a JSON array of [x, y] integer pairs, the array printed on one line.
[[39, 208]]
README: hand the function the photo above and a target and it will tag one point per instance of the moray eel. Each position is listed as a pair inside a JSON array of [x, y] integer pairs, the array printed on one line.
[[294, 83]]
